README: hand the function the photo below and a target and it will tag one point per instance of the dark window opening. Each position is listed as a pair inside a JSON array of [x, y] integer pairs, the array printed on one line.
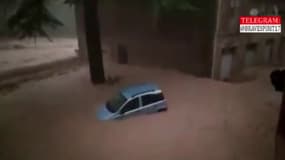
[[251, 46], [269, 41], [229, 50]]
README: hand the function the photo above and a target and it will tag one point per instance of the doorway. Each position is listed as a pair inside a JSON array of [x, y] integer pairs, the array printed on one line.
[[122, 54], [267, 57], [250, 55], [227, 63]]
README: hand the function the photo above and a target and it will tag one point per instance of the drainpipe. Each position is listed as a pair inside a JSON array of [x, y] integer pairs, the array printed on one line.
[[216, 38]]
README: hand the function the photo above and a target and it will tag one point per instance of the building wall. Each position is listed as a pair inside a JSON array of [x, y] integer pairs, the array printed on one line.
[[228, 36], [281, 5], [182, 41], [282, 50]]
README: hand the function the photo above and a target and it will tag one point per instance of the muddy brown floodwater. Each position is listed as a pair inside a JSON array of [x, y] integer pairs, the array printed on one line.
[[54, 119]]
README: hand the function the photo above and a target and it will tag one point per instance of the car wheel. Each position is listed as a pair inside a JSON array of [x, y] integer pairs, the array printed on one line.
[[162, 110]]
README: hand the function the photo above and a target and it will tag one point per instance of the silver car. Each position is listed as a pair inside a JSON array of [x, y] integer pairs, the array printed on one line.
[[133, 100]]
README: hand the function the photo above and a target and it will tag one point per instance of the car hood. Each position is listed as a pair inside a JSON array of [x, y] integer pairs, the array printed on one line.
[[103, 113]]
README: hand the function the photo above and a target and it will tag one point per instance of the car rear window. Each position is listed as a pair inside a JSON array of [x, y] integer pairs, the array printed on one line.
[[152, 98]]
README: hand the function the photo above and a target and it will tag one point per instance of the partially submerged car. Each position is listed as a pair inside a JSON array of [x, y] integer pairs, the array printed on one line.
[[133, 100]]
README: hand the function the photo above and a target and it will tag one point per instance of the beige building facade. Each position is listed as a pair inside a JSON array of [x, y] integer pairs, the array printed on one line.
[[233, 52]]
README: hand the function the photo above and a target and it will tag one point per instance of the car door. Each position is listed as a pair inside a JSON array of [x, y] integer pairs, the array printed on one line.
[[131, 108], [151, 102]]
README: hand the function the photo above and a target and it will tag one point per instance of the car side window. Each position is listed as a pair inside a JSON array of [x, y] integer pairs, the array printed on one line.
[[131, 105], [152, 98]]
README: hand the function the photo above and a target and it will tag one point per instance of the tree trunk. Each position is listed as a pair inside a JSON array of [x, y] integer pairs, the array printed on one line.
[[80, 29], [280, 136], [93, 41]]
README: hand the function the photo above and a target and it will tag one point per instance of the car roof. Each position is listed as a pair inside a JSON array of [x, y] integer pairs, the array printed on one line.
[[134, 90]]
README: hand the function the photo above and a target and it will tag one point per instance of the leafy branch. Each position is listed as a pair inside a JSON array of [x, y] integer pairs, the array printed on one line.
[[30, 19]]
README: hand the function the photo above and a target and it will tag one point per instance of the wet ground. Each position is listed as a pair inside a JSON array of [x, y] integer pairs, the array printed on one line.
[[15, 54]]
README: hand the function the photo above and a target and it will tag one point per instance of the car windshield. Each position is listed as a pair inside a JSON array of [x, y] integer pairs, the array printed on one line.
[[114, 104]]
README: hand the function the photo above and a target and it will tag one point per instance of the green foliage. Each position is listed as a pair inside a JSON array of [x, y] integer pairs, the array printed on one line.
[[32, 15], [178, 5], [7, 4], [30, 19], [169, 5], [71, 2]]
